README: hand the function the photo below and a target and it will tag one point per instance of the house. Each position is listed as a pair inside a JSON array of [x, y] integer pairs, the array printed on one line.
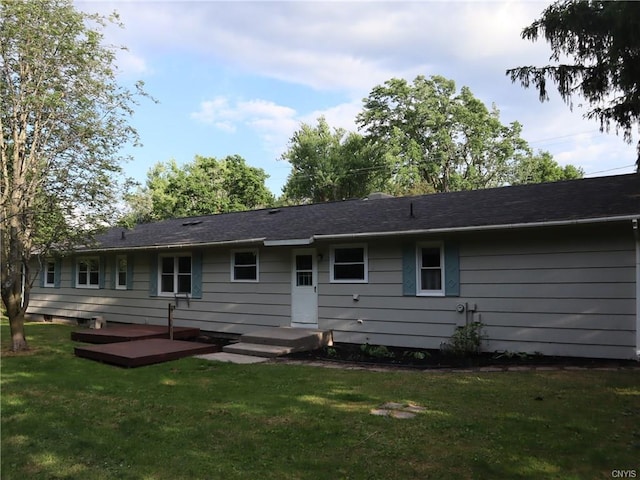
[[550, 268]]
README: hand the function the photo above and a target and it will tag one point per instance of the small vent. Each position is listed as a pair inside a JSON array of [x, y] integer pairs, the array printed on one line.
[[378, 196], [274, 211], [194, 222]]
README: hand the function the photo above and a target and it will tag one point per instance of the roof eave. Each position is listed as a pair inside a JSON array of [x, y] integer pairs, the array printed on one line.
[[509, 226]]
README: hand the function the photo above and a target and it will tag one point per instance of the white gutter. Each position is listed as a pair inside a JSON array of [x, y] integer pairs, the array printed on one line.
[[637, 237], [343, 236], [288, 243], [178, 245]]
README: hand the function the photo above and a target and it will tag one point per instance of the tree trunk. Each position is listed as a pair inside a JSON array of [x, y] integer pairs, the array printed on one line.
[[18, 339], [12, 299]]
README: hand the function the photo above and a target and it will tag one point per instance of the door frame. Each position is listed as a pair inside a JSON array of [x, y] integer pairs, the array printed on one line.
[[309, 295]]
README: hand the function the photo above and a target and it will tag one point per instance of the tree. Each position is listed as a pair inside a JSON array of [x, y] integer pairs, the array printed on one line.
[[438, 139], [63, 119], [543, 168], [603, 40], [205, 186], [331, 165]]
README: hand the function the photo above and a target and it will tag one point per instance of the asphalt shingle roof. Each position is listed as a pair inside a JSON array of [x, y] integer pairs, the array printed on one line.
[[559, 202]]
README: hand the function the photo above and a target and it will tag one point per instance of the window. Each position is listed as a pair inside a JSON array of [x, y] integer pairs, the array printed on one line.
[[175, 274], [244, 266], [304, 270], [430, 271], [88, 273], [121, 272], [50, 273], [349, 264]]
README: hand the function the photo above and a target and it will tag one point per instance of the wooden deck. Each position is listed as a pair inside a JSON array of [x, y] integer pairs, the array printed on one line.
[[127, 333], [136, 353]]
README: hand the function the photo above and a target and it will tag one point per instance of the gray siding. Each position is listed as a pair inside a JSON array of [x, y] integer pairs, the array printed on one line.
[[557, 291], [560, 291], [225, 306]]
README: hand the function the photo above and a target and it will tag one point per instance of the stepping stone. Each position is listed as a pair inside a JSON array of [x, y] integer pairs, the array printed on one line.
[[381, 412], [402, 414], [414, 409]]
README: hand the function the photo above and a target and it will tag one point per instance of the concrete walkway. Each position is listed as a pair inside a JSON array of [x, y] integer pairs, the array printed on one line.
[[249, 359], [232, 358]]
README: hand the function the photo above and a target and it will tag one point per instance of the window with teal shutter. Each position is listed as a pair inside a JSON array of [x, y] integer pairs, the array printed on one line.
[[179, 274], [431, 269], [50, 273]]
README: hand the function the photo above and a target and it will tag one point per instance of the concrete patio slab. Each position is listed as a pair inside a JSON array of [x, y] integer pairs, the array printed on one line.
[[232, 358]]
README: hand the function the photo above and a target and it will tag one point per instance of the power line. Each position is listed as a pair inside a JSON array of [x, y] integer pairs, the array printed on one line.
[[609, 170]]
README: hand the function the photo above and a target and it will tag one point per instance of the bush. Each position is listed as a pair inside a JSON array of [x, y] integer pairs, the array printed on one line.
[[466, 341], [376, 351]]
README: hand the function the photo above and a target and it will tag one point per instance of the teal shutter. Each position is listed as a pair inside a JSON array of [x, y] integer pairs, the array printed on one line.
[[153, 276], [129, 272], [113, 279], [43, 273], [196, 275], [408, 270], [451, 270], [74, 263], [103, 272], [57, 273]]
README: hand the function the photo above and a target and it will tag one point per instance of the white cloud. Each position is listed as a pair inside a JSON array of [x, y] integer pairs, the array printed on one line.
[[130, 64], [272, 122], [330, 45]]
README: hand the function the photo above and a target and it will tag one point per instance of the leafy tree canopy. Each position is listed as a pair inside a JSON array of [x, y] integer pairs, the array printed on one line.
[[543, 168], [329, 165], [602, 41], [204, 186], [436, 139], [64, 119]]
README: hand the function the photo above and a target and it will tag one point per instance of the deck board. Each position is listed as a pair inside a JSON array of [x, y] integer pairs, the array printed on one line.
[[127, 333], [137, 353]]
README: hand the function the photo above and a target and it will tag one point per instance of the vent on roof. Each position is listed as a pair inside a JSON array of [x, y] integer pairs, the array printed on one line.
[[193, 222], [273, 211], [378, 196]]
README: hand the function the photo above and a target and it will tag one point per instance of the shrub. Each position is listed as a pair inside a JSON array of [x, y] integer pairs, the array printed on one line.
[[376, 351], [466, 341]]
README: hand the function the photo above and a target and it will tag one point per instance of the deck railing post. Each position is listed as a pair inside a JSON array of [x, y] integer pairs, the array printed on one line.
[[170, 320]]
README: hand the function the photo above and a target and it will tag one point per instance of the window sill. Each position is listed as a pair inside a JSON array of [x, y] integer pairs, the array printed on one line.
[[348, 281]]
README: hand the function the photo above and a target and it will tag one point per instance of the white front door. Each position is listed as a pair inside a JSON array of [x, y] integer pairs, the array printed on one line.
[[304, 288]]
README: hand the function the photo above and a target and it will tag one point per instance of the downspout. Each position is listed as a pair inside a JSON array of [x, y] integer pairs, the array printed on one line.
[[637, 237]]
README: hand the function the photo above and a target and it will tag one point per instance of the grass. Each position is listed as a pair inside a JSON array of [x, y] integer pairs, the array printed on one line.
[[66, 417]]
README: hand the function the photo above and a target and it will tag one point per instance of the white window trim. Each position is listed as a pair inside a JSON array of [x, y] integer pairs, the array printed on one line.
[[117, 272], [47, 284], [429, 293], [365, 259], [233, 265], [87, 285], [175, 256]]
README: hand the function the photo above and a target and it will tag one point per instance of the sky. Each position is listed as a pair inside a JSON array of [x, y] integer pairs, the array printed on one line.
[[241, 77]]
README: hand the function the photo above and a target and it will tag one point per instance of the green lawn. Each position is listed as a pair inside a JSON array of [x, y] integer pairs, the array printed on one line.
[[65, 417]]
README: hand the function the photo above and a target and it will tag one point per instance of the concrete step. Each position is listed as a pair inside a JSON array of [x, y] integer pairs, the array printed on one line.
[[257, 349], [298, 338]]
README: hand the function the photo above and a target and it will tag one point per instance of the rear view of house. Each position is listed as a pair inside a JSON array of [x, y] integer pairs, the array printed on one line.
[[550, 268]]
